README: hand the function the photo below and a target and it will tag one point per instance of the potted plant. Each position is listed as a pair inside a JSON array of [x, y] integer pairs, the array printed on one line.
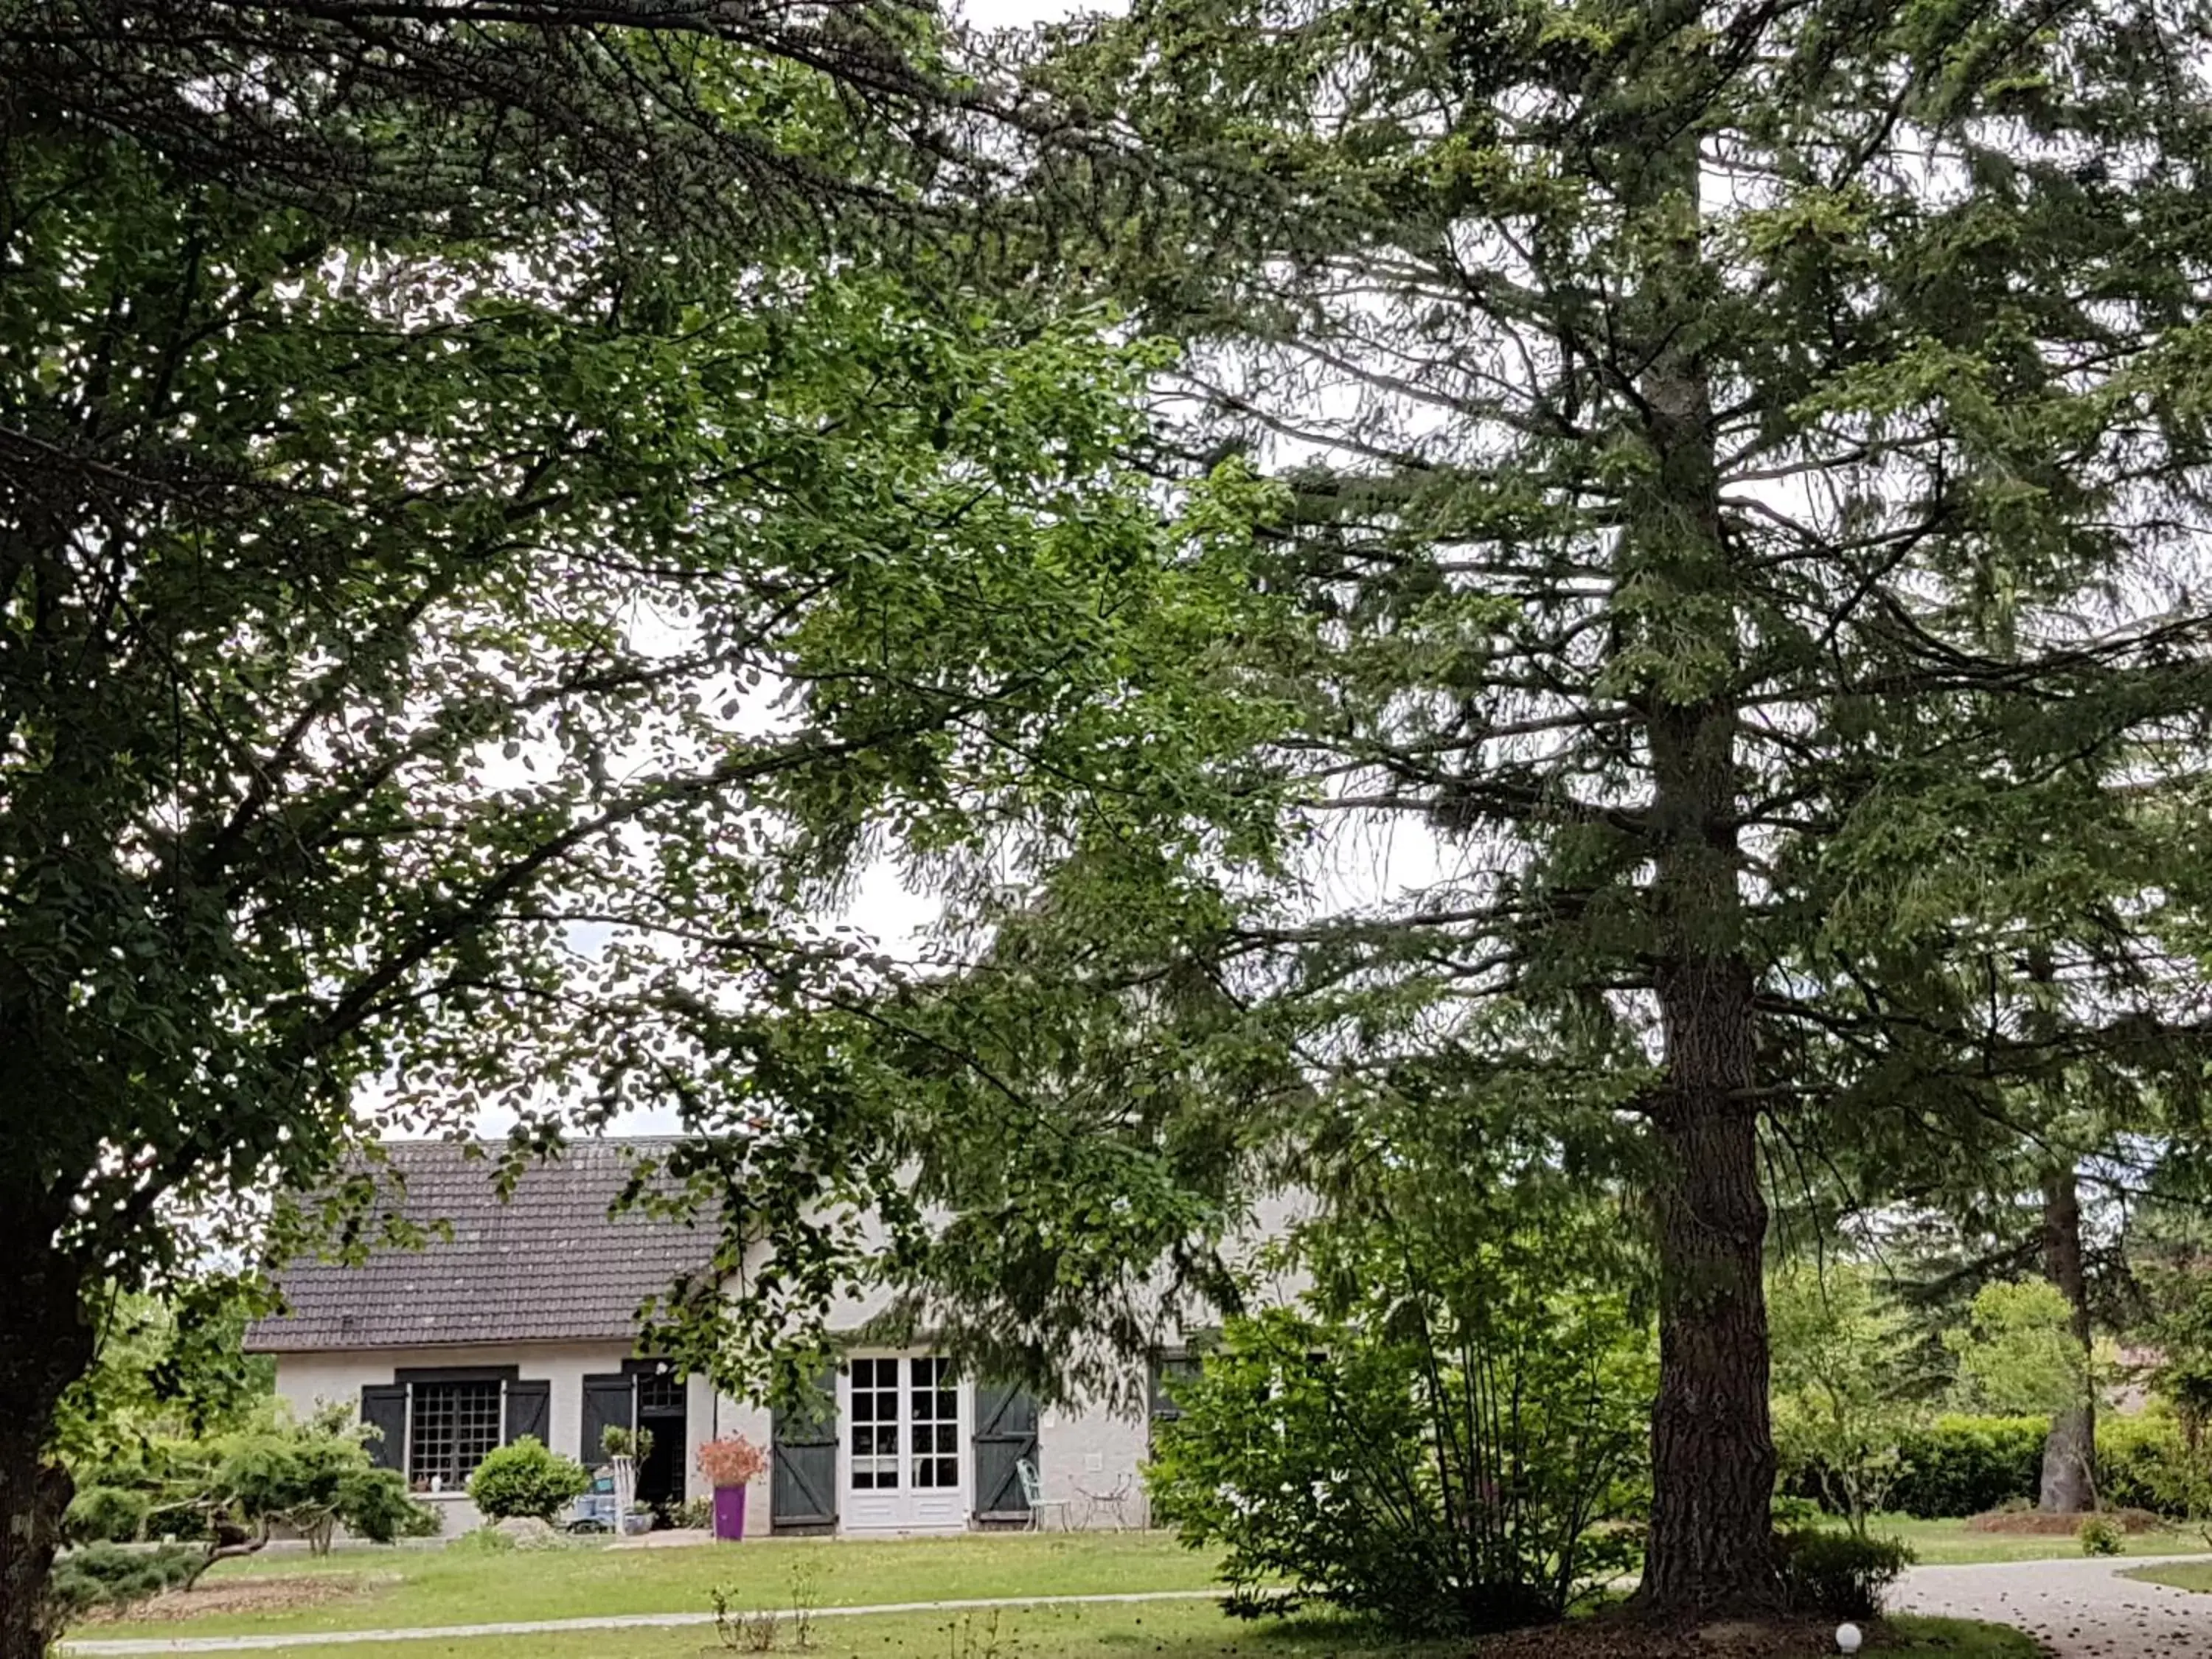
[[731, 1464], [625, 1448]]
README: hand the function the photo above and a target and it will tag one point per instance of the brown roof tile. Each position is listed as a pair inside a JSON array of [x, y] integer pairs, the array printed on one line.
[[548, 1264]]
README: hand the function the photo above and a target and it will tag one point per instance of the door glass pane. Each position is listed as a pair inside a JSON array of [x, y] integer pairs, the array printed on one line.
[[934, 1402], [873, 1432]]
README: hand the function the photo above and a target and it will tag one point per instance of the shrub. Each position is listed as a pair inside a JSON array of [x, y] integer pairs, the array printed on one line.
[[2144, 1463], [1847, 1387], [314, 1477], [526, 1479], [108, 1574], [1966, 1466], [693, 1512], [2102, 1536], [106, 1514], [1840, 1575], [1442, 1477]]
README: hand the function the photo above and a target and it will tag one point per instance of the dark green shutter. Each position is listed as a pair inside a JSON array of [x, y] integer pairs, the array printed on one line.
[[1006, 1434], [384, 1408], [802, 1489], [529, 1411], [609, 1402]]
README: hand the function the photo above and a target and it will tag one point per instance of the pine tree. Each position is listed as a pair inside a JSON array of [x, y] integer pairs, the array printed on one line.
[[1744, 471]]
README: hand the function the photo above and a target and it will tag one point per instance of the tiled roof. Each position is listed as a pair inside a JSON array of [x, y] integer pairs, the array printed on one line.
[[547, 1264]]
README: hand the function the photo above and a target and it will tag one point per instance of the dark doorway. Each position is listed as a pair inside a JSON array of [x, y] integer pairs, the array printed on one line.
[[660, 1412]]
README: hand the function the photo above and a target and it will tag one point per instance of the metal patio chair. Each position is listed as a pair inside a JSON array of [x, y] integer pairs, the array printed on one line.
[[1039, 1505]]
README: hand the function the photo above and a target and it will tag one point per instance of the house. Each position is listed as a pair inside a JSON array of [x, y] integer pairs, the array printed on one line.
[[519, 1317]]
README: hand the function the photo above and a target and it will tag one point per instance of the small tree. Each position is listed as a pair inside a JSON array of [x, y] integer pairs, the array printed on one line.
[[1847, 1387], [2016, 1355], [526, 1481]]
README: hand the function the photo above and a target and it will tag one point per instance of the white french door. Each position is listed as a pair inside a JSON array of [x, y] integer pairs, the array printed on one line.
[[899, 1455]]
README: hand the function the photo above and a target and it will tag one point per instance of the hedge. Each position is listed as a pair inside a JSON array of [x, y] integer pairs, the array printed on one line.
[[1969, 1465], [1964, 1466]]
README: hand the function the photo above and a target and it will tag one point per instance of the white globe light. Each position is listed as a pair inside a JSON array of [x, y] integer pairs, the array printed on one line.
[[1848, 1638]]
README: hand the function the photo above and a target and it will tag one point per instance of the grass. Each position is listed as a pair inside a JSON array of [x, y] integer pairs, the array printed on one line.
[[394, 1589], [1948, 1543], [1153, 1630], [2182, 1575], [1960, 1638]]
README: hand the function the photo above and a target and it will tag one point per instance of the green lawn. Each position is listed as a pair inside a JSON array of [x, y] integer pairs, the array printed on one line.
[[1153, 1630], [2182, 1575], [1944, 1543], [392, 1589]]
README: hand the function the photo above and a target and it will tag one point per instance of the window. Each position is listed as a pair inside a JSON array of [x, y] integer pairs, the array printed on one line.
[[1169, 1370], [451, 1425], [936, 1417], [875, 1428], [659, 1394]]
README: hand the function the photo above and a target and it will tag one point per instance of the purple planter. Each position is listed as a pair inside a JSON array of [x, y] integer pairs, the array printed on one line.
[[730, 1514]]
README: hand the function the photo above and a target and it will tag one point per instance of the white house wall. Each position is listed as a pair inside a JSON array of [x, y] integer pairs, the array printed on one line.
[[305, 1380]]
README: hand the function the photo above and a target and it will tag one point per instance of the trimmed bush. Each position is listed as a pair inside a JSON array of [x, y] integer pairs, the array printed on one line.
[[1838, 1575], [2142, 1464], [2102, 1536], [106, 1514], [1966, 1466], [112, 1576], [525, 1480]]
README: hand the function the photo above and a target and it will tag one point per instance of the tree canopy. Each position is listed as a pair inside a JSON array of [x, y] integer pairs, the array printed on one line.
[[1737, 478], [496, 503]]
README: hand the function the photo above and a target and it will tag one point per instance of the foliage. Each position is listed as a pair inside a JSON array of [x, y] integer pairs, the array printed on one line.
[[1964, 1466], [2145, 1461], [524, 1478], [1840, 1575], [1733, 560], [2017, 1356], [470, 481], [1848, 1386], [111, 1515], [2182, 1333], [2099, 1534], [732, 1460], [1449, 1443], [101, 1575], [167, 1368], [695, 1513], [617, 1440]]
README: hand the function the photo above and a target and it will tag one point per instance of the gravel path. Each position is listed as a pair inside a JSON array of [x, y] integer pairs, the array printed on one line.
[[2079, 1609]]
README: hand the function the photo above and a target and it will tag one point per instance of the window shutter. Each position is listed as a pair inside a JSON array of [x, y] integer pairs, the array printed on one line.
[[802, 1491], [1006, 1437], [529, 1411], [384, 1408], [608, 1401]]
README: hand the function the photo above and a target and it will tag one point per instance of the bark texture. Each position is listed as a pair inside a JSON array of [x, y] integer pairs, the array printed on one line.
[[45, 1345], [2069, 1454], [1712, 1445]]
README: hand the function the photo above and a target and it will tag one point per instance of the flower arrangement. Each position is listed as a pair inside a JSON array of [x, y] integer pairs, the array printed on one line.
[[732, 1461]]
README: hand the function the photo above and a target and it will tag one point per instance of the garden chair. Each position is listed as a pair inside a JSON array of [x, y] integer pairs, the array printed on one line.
[[1033, 1495]]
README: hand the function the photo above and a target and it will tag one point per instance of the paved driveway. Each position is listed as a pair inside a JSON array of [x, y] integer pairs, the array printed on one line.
[[2078, 1608]]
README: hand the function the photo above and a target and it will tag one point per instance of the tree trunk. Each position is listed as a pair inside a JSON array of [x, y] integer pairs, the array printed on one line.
[[45, 1345], [1712, 1446], [2069, 1454]]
